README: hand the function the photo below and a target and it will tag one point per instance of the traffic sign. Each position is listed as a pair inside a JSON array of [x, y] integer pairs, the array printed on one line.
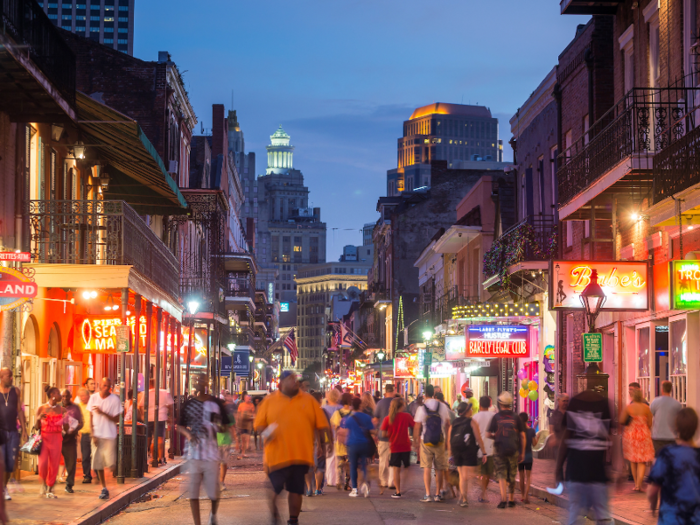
[[592, 348], [123, 338]]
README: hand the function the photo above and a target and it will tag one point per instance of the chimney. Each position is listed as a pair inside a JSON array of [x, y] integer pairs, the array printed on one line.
[[218, 130], [163, 56]]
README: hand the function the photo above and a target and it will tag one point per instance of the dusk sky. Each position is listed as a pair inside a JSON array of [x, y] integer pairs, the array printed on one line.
[[342, 76]]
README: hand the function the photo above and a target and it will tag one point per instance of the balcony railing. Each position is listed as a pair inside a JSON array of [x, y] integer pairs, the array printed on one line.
[[677, 167], [239, 287], [644, 122], [27, 24], [533, 239], [100, 232]]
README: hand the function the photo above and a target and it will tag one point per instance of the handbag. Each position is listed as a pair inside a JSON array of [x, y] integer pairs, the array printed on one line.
[[33, 444]]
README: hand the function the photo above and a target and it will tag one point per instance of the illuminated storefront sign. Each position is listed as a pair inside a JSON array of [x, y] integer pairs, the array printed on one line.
[[625, 284], [15, 289], [284, 307], [685, 285], [497, 341], [405, 367], [97, 334], [455, 347]]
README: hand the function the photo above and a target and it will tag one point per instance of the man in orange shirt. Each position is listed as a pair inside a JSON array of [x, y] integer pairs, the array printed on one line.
[[289, 421], [246, 414]]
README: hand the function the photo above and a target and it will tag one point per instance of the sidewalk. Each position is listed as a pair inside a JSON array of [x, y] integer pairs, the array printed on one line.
[[626, 506], [83, 506]]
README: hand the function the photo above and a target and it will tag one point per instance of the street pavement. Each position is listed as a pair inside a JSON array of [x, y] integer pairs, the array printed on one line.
[[245, 502]]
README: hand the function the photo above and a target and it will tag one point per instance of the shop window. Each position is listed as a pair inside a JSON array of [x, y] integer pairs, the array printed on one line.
[[643, 365], [678, 365]]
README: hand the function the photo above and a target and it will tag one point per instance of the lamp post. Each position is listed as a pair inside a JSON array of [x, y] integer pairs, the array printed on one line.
[[252, 371], [192, 306], [427, 336], [593, 298], [380, 356]]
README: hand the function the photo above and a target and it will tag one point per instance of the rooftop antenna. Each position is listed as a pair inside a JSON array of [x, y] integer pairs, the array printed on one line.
[[232, 106]]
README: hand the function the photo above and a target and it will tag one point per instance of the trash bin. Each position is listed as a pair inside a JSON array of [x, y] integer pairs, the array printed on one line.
[[141, 453]]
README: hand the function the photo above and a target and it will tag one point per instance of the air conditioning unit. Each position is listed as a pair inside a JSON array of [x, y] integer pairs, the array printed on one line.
[[173, 168]]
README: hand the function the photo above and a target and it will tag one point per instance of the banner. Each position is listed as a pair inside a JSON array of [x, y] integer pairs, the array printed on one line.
[[455, 347], [625, 284], [241, 362], [498, 341]]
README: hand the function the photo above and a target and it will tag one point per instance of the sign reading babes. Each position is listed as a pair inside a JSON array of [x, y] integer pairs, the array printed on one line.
[[625, 284], [498, 341]]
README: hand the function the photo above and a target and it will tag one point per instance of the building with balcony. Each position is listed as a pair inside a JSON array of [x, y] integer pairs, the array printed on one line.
[[105, 22], [462, 135], [627, 186], [91, 191]]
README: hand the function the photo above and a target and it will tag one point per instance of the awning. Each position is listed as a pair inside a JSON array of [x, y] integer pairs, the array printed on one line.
[[136, 171]]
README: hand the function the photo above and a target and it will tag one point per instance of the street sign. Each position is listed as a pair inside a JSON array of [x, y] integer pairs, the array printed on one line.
[[592, 348], [241, 362], [123, 338], [16, 256]]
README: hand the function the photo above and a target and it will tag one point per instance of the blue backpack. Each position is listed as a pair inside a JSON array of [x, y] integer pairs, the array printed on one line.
[[433, 427]]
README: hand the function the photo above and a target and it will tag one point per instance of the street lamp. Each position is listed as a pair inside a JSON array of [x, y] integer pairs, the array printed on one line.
[[593, 298], [427, 335], [380, 356]]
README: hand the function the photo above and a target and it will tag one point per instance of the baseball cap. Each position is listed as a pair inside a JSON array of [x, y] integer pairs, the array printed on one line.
[[285, 374]]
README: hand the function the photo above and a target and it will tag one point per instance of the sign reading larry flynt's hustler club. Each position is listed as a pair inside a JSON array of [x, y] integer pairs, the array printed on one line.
[[497, 341]]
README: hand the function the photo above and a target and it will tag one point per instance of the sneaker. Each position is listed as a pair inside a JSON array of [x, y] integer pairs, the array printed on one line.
[[511, 504], [87, 481], [427, 498], [50, 495], [213, 520], [353, 493], [104, 494], [7, 495], [365, 490], [318, 493], [436, 498], [308, 493], [223, 487], [69, 489], [464, 504], [442, 495], [396, 495], [501, 505]]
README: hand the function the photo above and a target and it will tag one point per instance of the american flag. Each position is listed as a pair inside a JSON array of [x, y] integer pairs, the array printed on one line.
[[336, 338], [290, 344]]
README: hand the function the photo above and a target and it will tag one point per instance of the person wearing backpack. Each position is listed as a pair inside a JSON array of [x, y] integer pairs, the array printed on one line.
[[432, 425], [508, 433], [360, 444], [463, 444]]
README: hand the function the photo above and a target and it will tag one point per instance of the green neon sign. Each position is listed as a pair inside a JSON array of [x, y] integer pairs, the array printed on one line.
[[685, 285]]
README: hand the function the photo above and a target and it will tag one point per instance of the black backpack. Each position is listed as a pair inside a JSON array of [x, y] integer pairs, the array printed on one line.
[[507, 438], [463, 440]]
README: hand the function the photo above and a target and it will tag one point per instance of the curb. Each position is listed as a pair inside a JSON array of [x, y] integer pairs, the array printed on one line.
[[563, 502], [123, 500]]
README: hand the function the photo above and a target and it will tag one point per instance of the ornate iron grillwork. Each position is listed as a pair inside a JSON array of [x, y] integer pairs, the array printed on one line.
[[100, 232], [677, 167], [644, 122]]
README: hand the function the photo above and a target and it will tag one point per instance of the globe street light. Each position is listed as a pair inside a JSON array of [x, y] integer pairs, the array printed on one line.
[[380, 356], [593, 298]]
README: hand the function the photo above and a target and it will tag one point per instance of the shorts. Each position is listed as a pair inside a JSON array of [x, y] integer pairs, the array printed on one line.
[[319, 463], [291, 478], [465, 459], [525, 465], [224, 453], [152, 429], [433, 455], [506, 468], [487, 468], [10, 447], [661, 443], [206, 472], [397, 458], [104, 453]]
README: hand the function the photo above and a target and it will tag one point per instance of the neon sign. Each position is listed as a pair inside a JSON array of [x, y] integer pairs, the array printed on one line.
[[685, 285], [405, 367], [15, 289], [455, 347], [497, 341], [625, 284], [98, 334]]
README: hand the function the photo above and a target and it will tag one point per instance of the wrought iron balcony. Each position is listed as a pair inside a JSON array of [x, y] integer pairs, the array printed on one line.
[[27, 24], [100, 232], [644, 122], [239, 287], [677, 167], [533, 239]]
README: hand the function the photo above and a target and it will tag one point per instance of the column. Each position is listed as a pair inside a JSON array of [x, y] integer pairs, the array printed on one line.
[[135, 386], [122, 394], [160, 343], [173, 342], [178, 386], [147, 372]]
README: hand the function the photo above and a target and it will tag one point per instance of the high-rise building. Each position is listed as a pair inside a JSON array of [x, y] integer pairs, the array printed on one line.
[[464, 136], [367, 230], [109, 22], [288, 232]]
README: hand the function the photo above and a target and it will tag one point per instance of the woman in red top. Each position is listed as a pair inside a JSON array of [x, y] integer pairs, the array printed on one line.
[[395, 426]]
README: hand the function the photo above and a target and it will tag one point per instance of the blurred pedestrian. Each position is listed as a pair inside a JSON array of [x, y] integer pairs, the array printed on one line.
[[483, 419], [225, 435], [69, 447], [458, 400], [413, 405], [508, 433], [381, 411], [165, 414], [394, 428], [676, 475], [367, 404], [360, 443], [10, 414], [341, 451], [85, 436], [584, 445], [50, 422], [331, 407], [105, 409], [464, 441], [201, 417], [637, 447], [244, 421], [664, 410], [469, 398], [289, 421], [525, 466]]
